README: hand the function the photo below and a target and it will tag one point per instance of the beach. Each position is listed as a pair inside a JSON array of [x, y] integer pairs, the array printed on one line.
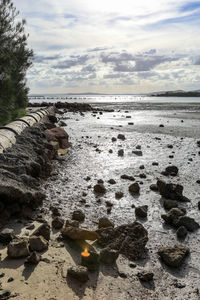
[[153, 137]]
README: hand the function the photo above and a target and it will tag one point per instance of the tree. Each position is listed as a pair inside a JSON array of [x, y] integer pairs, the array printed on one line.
[[15, 59]]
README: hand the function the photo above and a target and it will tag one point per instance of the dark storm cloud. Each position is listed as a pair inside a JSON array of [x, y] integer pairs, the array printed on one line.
[[74, 60]]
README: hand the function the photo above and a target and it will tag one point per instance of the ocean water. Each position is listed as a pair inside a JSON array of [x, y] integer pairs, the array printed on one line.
[[105, 99]]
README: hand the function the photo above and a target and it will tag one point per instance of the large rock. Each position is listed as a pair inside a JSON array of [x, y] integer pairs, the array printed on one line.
[[79, 234], [33, 259], [121, 136], [124, 176], [18, 248], [173, 256], [79, 273], [43, 230], [168, 204], [38, 243], [129, 239], [145, 276], [171, 191], [105, 222], [59, 135]]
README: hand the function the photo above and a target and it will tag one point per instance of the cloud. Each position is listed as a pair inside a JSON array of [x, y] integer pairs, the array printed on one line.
[[75, 60]]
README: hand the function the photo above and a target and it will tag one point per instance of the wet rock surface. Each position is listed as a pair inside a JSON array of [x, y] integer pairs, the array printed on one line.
[[130, 240]]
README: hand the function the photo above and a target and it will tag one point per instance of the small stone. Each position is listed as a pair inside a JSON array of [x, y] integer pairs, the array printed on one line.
[[170, 170], [108, 256], [141, 211], [169, 146], [145, 276], [104, 222], [155, 163], [119, 195], [181, 232], [111, 181], [78, 215], [143, 175], [132, 265], [137, 152], [154, 187], [109, 204], [121, 136], [57, 223], [141, 167], [124, 176], [10, 279], [79, 273], [114, 139], [122, 274], [121, 152], [6, 235], [134, 188], [38, 243], [161, 125], [173, 256], [110, 151], [99, 189]]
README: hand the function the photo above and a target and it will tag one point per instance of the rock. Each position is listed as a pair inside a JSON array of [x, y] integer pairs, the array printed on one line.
[[124, 176], [155, 163], [168, 204], [114, 139], [188, 222], [173, 256], [119, 195], [129, 239], [5, 294], [154, 187], [145, 276], [121, 152], [172, 216], [57, 223], [59, 135], [55, 211], [33, 259], [121, 136], [134, 188], [198, 205], [43, 230], [161, 125], [38, 243], [99, 189], [100, 181], [170, 170], [108, 256], [130, 123], [30, 227], [138, 147], [141, 167], [137, 152], [181, 232], [171, 191], [78, 233], [110, 151], [18, 248], [142, 175], [104, 222], [78, 215], [6, 235], [111, 181], [141, 211], [79, 273]]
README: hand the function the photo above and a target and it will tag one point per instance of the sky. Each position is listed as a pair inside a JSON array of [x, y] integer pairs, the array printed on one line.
[[112, 46]]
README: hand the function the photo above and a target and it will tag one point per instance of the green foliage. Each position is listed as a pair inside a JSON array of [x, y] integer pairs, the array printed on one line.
[[15, 59]]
